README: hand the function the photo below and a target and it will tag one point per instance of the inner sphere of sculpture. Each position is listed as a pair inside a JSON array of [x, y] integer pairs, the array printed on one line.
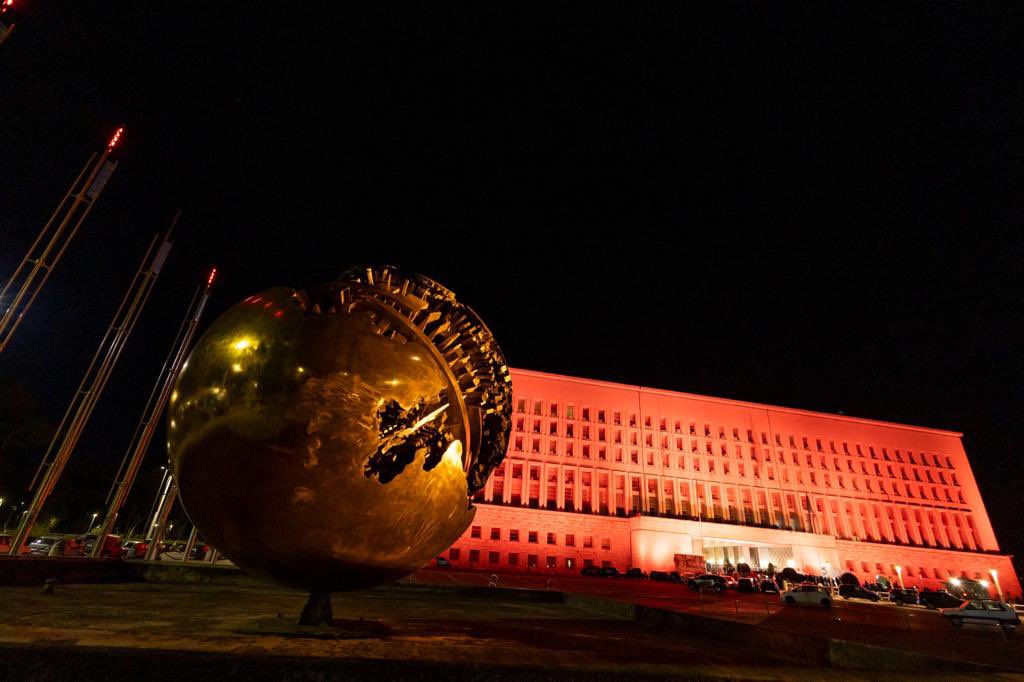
[[322, 449]]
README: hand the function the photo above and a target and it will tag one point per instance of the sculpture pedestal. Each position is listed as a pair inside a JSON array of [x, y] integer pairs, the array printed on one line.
[[317, 610]]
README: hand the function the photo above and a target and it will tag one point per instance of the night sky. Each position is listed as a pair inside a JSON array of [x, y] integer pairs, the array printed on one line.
[[817, 207]]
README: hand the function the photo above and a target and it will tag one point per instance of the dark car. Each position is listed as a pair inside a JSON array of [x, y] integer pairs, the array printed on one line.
[[111, 548], [857, 592], [42, 546], [901, 596], [746, 585], [939, 600], [610, 572], [634, 573], [662, 576], [442, 562], [134, 549], [708, 581], [591, 570], [769, 587]]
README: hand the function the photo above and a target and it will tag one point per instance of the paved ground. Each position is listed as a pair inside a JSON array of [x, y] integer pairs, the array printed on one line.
[[245, 632], [884, 624]]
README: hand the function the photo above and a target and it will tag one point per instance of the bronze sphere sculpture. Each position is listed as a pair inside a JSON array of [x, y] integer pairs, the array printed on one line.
[[331, 438]]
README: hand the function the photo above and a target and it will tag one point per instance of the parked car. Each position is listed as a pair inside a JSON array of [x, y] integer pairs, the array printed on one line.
[[634, 573], [591, 571], [857, 592], [662, 576], [769, 587], [938, 600], [880, 589], [674, 576], [134, 549], [111, 548], [442, 562], [707, 581], [901, 597], [42, 545], [808, 593], [610, 572], [983, 611], [747, 585]]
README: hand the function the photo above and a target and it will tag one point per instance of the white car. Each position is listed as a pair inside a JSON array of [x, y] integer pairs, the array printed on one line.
[[807, 594], [983, 611]]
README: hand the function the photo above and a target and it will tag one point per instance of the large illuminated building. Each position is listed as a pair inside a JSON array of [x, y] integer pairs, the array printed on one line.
[[608, 474]]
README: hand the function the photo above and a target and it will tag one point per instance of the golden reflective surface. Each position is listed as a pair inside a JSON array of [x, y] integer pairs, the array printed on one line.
[[315, 448]]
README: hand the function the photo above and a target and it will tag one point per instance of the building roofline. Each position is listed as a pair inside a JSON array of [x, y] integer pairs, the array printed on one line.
[[738, 403]]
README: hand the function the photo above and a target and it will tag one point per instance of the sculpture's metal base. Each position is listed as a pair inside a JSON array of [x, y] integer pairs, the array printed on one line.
[[317, 610]]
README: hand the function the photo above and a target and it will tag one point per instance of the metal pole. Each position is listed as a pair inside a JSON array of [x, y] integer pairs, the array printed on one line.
[[158, 398], [190, 544], [89, 391], [37, 267], [160, 519]]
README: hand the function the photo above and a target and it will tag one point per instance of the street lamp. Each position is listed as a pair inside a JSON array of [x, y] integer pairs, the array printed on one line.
[[899, 576], [92, 521], [995, 578]]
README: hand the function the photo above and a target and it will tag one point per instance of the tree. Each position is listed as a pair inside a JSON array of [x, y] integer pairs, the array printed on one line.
[[24, 435], [790, 574], [743, 569], [848, 579]]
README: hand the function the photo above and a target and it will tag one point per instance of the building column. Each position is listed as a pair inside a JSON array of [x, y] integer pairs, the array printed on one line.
[[873, 531], [773, 513], [926, 527], [850, 524], [595, 492], [883, 521], [753, 504], [965, 531], [577, 489], [489, 488], [902, 532], [560, 495], [946, 519], [506, 491], [938, 532]]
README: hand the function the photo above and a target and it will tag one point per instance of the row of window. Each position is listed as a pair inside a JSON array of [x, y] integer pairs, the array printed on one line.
[[608, 494], [908, 571], [474, 556], [560, 423], [864, 482], [556, 447], [532, 537]]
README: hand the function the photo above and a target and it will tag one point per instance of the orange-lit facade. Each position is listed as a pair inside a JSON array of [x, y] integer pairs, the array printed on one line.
[[609, 474]]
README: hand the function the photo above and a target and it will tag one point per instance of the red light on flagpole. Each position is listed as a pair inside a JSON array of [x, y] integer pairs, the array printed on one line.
[[209, 280], [115, 139]]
